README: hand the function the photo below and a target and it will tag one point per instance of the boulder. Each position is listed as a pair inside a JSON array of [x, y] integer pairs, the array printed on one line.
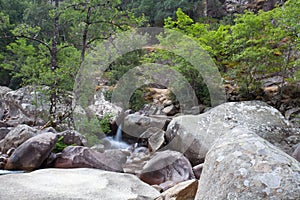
[[198, 170], [32, 153], [155, 137], [170, 110], [194, 135], [296, 153], [135, 124], [3, 108], [242, 165], [84, 157], [167, 168], [4, 131], [16, 137], [182, 191], [26, 106], [75, 184], [137, 160], [3, 160], [71, 137]]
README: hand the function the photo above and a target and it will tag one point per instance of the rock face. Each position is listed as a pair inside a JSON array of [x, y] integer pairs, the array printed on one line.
[[32, 153], [16, 137], [194, 135], [167, 168], [20, 109], [75, 184], [235, 6], [101, 106], [84, 157], [241, 165]]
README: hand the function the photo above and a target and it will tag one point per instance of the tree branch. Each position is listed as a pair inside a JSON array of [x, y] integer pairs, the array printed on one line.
[[30, 38]]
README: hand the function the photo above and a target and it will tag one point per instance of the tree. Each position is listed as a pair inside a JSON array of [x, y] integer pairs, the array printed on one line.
[[94, 21], [48, 49]]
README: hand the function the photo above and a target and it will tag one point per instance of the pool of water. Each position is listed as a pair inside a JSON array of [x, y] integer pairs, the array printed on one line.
[[5, 172]]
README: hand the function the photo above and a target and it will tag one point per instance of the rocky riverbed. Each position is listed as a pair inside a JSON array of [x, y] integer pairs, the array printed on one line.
[[237, 150]]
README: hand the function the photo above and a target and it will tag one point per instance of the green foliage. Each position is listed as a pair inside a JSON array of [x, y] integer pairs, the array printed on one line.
[[253, 47], [156, 11], [137, 100], [60, 145], [105, 123]]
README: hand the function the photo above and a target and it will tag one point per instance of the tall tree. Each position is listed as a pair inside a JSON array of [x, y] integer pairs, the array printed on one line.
[[94, 21]]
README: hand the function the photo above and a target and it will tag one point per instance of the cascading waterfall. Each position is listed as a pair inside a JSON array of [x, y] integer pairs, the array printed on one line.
[[116, 142], [118, 136]]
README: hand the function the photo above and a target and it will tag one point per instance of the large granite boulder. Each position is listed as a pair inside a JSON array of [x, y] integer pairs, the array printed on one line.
[[194, 135], [84, 157], [135, 124], [16, 137], [166, 169], [242, 165], [32, 153], [81, 183]]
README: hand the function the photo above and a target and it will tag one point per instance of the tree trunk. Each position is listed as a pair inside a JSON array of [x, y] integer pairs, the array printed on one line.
[[85, 33], [205, 8], [53, 89]]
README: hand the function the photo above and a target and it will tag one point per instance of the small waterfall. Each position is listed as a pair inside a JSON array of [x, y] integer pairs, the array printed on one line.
[[118, 136], [116, 142]]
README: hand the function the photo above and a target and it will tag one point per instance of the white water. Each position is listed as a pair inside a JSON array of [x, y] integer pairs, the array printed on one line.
[[116, 142], [118, 136]]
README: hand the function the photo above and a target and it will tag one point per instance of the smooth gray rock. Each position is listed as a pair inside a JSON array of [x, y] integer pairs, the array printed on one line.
[[242, 165], [16, 137], [89, 184], [194, 135], [135, 124]]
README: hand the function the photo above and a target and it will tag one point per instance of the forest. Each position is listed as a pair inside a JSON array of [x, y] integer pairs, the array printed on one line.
[[44, 42]]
